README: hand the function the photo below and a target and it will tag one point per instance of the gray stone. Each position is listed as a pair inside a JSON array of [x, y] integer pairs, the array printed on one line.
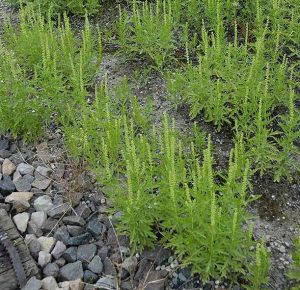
[[58, 210], [21, 221], [33, 284], [39, 218], [106, 283], [103, 252], [49, 283], [95, 227], [83, 210], [58, 250], [4, 144], [44, 258], [8, 168], [34, 248], [86, 253], [80, 240], [43, 203], [74, 220], [16, 176], [47, 243], [22, 184], [75, 230], [130, 264], [50, 225], [24, 168], [63, 235], [109, 268], [4, 153], [41, 184], [51, 269], [96, 265], [70, 254], [6, 186], [34, 229], [42, 170], [5, 206], [72, 271], [60, 262], [89, 277]]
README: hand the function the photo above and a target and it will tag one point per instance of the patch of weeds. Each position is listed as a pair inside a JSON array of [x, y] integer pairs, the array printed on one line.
[[294, 272], [79, 7], [148, 31], [158, 182], [242, 86], [43, 68]]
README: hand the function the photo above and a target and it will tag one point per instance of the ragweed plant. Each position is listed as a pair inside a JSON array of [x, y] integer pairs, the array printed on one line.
[[259, 269], [79, 7], [53, 67], [294, 272], [148, 32]]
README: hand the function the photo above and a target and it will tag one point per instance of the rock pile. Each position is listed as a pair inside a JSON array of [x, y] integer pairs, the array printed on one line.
[[69, 233]]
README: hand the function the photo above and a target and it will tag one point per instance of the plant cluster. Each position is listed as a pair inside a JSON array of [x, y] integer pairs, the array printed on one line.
[[80, 7], [294, 272], [161, 180], [149, 31], [43, 68], [160, 183]]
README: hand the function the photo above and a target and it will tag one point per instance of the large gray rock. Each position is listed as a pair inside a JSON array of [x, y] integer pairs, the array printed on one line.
[[130, 264], [24, 168], [51, 269], [89, 277], [33, 284], [21, 221], [58, 210], [70, 254], [74, 220], [34, 248], [86, 253], [4, 144], [95, 227], [24, 183], [62, 234], [79, 240], [43, 203], [39, 218], [106, 283], [49, 283], [58, 250], [41, 184], [71, 271], [75, 230], [47, 243], [44, 258], [42, 170], [6, 185], [96, 265]]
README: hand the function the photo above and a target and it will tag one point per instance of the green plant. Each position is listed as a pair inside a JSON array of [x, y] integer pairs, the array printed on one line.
[[285, 163], [148, 32], [259, 269], [294, 272], [79, 7], [50, 67]]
